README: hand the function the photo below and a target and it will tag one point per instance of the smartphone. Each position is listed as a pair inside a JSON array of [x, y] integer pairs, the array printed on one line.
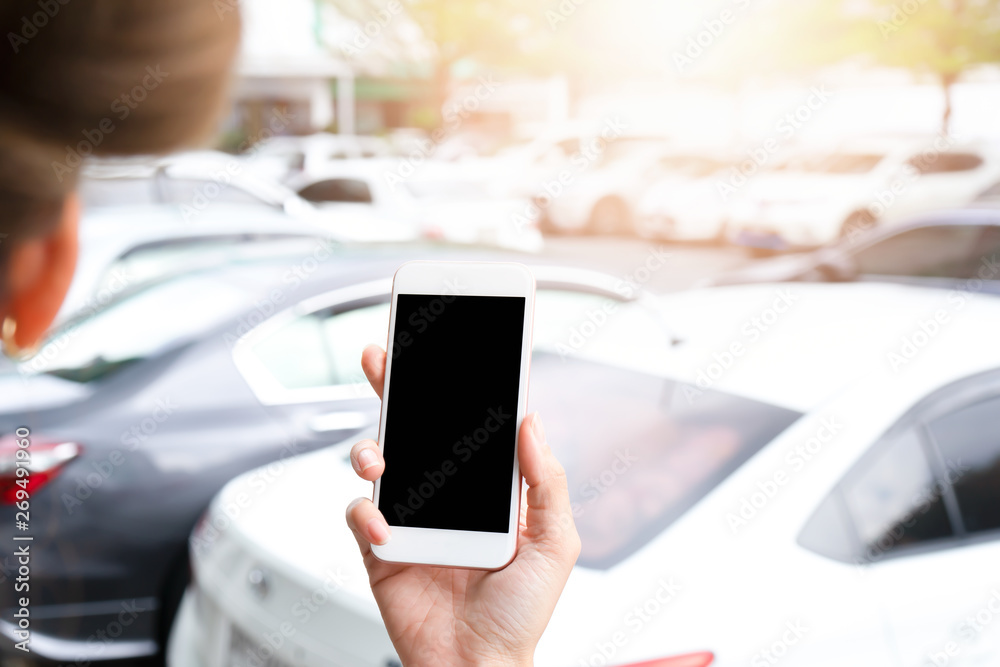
[[455, 394]]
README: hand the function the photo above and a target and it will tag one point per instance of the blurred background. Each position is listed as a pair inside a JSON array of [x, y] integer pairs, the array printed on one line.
[[765, 238]]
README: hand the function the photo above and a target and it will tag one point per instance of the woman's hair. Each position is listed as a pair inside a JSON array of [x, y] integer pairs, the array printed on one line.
[[101, 77]]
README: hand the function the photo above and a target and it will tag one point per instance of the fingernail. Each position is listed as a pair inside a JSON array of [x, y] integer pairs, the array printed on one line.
[[367, 459], [537, 428], [379, 530]]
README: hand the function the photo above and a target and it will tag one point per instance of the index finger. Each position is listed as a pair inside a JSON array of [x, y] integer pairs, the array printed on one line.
[[373, 364]]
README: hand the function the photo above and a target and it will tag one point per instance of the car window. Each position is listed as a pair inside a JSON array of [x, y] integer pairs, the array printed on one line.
[[349, 190], [324, 348], [97, 192], [891, 499], [969, 442], [638, 453], [894, 499], [197, 192], [945, 251], [943, 163], [151, 320]]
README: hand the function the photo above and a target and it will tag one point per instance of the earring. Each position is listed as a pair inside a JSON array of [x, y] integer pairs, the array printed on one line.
[[11, 349]]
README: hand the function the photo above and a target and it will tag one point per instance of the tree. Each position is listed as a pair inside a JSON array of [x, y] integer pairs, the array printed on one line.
[[943, 38]]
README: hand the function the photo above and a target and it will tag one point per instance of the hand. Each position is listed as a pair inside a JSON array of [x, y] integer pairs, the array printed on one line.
[[448, 616]]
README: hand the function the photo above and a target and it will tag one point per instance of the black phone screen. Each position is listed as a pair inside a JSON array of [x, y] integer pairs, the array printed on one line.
[[451, 412]]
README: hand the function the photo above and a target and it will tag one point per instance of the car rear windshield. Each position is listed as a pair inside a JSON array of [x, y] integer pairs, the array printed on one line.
[[640, 450], [144, 322]]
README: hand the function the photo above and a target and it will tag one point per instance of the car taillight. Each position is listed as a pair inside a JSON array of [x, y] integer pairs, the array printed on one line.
[[433, 232], [43, 461], [700, 659]]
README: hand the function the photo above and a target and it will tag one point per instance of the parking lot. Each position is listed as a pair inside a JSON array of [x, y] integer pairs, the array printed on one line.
[[750, 417]]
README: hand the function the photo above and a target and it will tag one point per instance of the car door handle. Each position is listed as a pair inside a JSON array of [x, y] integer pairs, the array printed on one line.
[[339, 421]]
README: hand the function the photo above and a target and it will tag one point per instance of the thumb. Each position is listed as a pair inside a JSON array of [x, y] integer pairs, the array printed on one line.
[[549, 517]]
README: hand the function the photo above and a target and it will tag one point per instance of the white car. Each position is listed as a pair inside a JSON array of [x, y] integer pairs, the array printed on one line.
[[683, 204], [197, 184], [804, 475], [431, 200], [600, 196], [283, 158], [121, 247], [818, 195]]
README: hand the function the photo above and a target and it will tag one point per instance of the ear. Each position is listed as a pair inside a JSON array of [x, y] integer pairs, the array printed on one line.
[[39, 274]]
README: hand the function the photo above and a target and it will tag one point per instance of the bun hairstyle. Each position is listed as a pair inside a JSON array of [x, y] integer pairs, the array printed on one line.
[[101, 77]]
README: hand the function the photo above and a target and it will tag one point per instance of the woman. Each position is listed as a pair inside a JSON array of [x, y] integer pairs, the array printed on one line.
[[107, 77]]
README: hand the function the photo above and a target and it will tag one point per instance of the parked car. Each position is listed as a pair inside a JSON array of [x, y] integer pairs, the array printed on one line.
[[121, 246], [437, 200], [600, 197], [683, 203], [819, 195], [284, 158], [937, 248], [196, 185], [775, 486], [141, 411]]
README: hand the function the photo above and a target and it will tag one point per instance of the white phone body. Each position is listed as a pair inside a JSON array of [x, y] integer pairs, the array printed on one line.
[[466, 548]]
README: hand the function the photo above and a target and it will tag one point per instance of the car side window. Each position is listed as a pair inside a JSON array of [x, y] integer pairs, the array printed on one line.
[[891, 499], [969, 441], [945, 163], [945, 251], [938, 479], [349, 190], [895, 499], [323, 348]]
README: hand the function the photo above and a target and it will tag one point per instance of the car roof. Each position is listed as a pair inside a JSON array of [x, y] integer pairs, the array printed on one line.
[[829, 338]]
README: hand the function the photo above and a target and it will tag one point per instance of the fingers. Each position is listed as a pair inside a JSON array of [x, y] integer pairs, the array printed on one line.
[[550, 515], [373, 364], [367, 524], [367, 460]]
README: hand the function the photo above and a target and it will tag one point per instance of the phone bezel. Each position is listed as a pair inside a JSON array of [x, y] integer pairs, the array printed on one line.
[[460, 548]]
